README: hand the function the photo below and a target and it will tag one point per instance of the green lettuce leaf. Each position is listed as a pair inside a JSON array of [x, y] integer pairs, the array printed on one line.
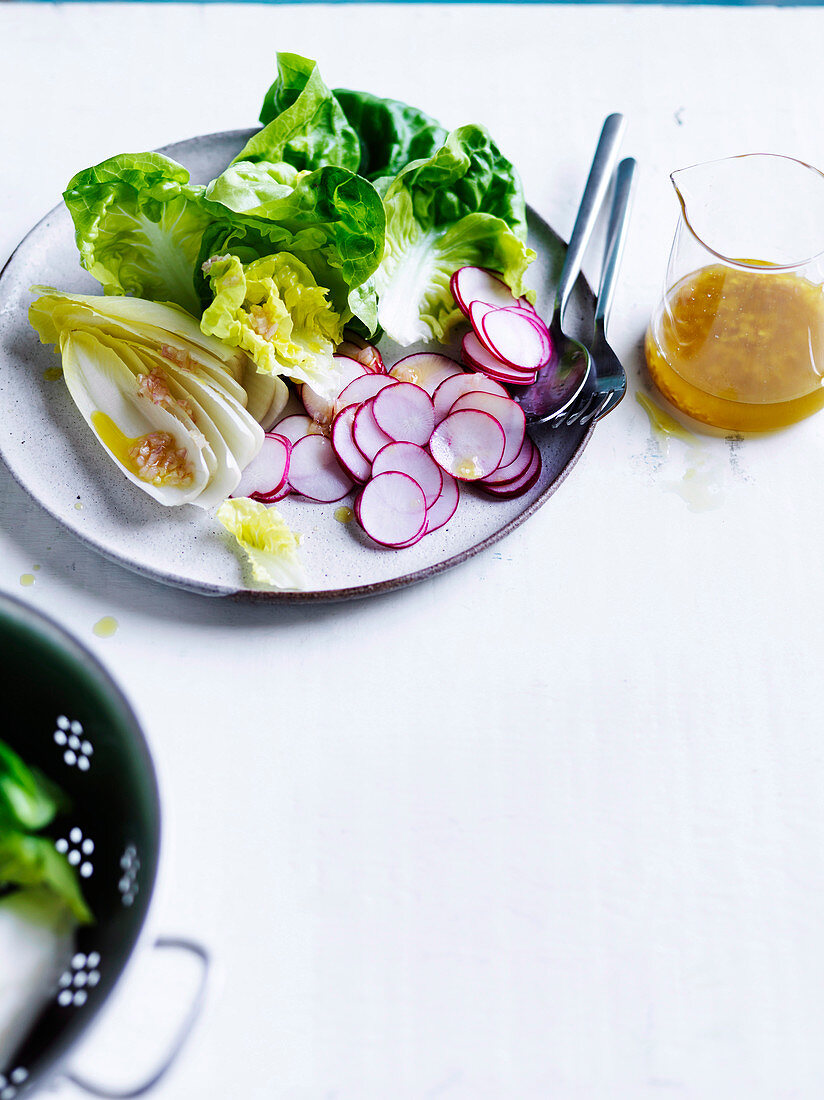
[[138, 224], [27, 799], [274, 310], [29, 803], [463, 206], [391, 133], [303, 123], [332, 220]]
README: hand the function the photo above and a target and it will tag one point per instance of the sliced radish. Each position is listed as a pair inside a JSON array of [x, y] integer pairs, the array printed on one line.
[[508, 414], [513, 337], [409, 458], [520, 485], [368, 437], [323, 409], [426, 369], [296, 426], [515, 468], [405, 412], [452, 388], [314, 470], [479, 358], [362, 389], [265, 475], [365, 353], [345, 447], [468, 444], [470, 284], [391, 508], [443, 509]]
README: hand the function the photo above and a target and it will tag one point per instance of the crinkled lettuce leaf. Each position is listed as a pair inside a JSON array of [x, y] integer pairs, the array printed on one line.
[[275, 311], [271, 548], [138, 223], [331, 219], [303, 122], [462, 206]]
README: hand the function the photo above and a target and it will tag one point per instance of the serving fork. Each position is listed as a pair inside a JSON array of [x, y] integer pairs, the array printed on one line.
[[607, 382], [568, 386]]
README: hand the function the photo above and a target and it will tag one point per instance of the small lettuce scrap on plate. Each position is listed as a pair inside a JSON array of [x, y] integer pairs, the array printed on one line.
[[270, 547]]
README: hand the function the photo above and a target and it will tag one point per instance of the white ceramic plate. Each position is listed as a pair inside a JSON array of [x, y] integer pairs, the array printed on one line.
[[55, 457]]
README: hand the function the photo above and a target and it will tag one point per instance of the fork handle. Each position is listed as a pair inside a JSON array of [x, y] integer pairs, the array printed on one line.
[[595, 191], [616, 237]]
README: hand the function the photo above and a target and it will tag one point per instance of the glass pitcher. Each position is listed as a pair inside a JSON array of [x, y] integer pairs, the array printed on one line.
[[738, 338]]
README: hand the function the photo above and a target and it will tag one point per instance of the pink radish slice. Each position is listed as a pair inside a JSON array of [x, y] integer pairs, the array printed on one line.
[[452, 388], [508, 414], [366, 354], [362, 389], [468, 444], [368, 437], [478, 357], [426, 369], [314, 470], [295, 427], [323, 409], [266, 474], [409, 458], [405, 412], [445, 506], [520, 485], [470, 284], [358, 468], [391, 508], [515, 469], [281, 494], [513, 337]]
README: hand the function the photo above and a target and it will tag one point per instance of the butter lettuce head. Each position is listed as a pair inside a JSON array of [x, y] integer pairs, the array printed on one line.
[[138, 224], [275, 311], [462, 206], [271, 548]]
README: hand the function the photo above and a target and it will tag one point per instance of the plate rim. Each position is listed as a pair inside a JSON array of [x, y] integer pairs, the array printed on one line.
[[313, 596]]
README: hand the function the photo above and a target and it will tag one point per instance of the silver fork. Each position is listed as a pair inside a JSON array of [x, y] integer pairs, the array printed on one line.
[[608, 379]]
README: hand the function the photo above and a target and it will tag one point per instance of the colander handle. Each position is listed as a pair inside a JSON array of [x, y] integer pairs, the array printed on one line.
[[162, 943]]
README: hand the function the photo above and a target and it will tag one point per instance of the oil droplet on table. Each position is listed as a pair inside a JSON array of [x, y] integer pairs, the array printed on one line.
[[27, 579], [51, 374], [79, 505], [344, 514], [663, 425], [35, 567], [105, 627]]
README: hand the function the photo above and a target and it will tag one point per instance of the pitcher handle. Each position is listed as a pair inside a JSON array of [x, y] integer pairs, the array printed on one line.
[[162, 943]]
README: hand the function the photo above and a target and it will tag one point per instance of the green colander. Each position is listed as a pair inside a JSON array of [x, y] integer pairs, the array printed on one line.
[[69, 719]]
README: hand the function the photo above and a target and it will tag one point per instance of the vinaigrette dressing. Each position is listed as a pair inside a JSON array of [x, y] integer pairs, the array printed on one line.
[[741, 348]]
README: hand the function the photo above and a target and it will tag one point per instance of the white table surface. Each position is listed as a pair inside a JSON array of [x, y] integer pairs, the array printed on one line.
[[550, 825]]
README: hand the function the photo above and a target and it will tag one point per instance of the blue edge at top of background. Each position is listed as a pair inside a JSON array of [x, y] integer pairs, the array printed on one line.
[[545, 3]]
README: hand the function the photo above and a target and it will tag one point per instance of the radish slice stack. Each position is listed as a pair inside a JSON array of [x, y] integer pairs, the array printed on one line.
[[407, 438], [509, 342]]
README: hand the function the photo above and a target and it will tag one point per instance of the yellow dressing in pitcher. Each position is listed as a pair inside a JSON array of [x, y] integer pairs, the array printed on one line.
[[740, 348]]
